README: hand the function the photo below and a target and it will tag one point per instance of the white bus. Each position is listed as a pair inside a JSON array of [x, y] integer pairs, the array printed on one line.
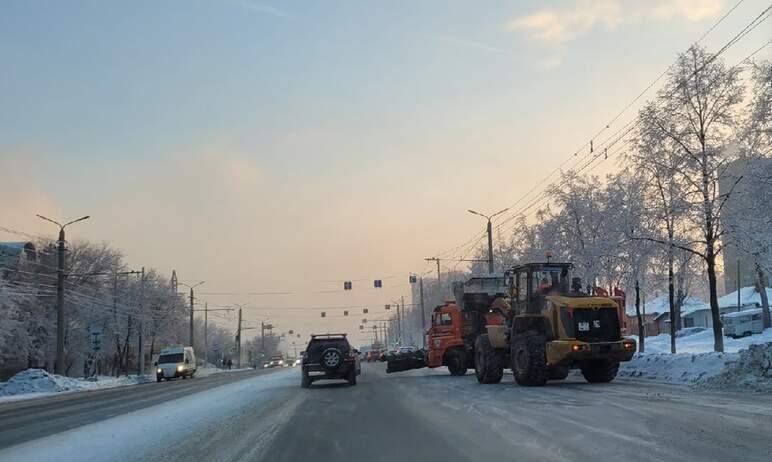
[[743, 323]]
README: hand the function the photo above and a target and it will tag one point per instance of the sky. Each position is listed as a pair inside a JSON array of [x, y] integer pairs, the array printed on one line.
[[277, 146]]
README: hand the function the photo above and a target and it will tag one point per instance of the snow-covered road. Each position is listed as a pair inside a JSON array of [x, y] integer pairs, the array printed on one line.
[[417, 415]]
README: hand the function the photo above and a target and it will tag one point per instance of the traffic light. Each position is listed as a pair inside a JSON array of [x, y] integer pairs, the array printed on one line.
[[324, 314], [347, 285], [291, 331], [364, 321], [378, 283], [413, 279], [345, 313], [388, 307], [364, 310], [361, 327]]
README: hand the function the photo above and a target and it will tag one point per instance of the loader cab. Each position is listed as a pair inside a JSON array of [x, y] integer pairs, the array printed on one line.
[[529, 285]]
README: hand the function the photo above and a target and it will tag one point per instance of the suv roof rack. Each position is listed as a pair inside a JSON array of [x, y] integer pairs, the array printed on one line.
[[313, 336]]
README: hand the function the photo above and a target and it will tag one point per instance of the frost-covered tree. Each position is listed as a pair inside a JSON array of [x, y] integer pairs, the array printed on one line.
[[695, 115]]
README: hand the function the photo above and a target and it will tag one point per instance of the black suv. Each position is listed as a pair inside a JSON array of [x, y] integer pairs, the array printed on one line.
[[329, 356]]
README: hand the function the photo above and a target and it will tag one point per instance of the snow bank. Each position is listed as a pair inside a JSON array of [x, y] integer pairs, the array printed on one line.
[[682, 368], [751, 370], [700, 340], [37, 382]]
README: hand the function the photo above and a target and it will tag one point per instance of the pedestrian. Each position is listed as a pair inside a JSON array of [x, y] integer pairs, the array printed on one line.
[[230, 363]]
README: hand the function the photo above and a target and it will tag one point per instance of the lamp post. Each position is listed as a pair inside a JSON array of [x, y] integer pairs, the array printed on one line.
[[490, 235], [191, 306], [59, 366]]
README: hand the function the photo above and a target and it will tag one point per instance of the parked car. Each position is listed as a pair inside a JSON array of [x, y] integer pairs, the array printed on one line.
[[329, 356], [175, 362], [743, 323]]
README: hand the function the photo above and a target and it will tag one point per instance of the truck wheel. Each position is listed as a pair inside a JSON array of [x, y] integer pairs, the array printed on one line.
[[529, 362], [487, 364], [456, 361], [305, 381], [600, 370]]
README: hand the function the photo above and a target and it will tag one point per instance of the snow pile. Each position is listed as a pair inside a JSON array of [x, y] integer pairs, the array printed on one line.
[[683, 368], [700, 340], [752, 370], [37, 383]]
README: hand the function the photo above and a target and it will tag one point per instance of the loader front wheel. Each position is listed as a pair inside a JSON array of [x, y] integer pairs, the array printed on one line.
[[529, 361], [456, 361], [600, 370], [487, 364]]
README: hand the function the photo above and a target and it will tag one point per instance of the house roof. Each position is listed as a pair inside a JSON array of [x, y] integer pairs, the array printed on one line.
[[748, 296]]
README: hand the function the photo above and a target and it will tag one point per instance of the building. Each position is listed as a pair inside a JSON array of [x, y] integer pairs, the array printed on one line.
[[13, 254], [751, 192]]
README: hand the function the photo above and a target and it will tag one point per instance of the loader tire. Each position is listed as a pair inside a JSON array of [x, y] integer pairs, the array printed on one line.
[[558, 373], [456, 361], [487, 364], [529, 361], [600, 370]]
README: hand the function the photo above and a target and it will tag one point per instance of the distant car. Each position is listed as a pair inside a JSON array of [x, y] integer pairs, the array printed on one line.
[[297, 362], [175, 362], [407, 349], [329, 356]]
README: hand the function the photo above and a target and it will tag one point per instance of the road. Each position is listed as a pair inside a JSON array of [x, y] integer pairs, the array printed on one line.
[[417, 415]]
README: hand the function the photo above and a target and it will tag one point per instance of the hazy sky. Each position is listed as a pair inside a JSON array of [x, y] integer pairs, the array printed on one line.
[[272, 146]]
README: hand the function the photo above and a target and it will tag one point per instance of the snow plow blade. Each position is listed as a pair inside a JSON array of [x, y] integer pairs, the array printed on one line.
[[405, 362]]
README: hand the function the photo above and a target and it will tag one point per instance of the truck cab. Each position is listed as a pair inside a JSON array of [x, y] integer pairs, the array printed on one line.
[[455, 325]]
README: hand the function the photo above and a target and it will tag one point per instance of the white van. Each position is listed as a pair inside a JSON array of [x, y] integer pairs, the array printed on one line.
[[175, 362], [743, 323]]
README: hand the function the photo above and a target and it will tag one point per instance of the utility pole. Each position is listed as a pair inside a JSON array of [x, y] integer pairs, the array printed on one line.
[[399, 326], [140, 340], [490, 235], [206, 333], [739, 286], [59, 365], [436, 260], [404, 320], [423, 313], [262, 336], [190, 335], [192, 298], [238, 342]]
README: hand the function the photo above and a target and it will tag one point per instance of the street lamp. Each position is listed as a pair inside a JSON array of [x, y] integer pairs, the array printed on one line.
[[490, 235], [59, 366], [191, 306]]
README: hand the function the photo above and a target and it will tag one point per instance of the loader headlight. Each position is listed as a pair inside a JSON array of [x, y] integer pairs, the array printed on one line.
[[628, 345], [159, 371], [578, 347], [180, 368]]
